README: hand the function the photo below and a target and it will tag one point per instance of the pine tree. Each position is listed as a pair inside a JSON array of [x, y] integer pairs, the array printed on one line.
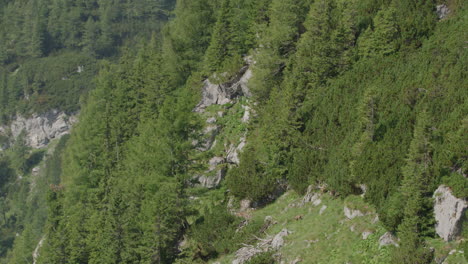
[[20, 153], [90, 37], [383, 40], [277, 45], [54, 248], [416, 20], [218, 50], [417, 174]]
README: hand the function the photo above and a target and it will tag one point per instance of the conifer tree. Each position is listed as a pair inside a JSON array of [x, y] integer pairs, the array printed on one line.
[[219, 48], [277, 44], [20, 152], [90, 37], [383, 40], [416, 173], [416, 20]]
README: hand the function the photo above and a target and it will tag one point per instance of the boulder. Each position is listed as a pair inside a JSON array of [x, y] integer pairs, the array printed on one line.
[[442, 11], [35, 171], [388, 239], [324, 207], [448, 212], [224, 93], [278, 240], [311, 197], [352, 213], [366, 234], [245, 254]]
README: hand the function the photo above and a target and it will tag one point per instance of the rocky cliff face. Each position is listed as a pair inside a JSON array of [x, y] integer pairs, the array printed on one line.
[[448, 211], [40, 129], [229, 92], [225, 93]]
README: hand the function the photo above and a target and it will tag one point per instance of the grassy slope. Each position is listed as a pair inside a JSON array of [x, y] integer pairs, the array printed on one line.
[[339, 240]]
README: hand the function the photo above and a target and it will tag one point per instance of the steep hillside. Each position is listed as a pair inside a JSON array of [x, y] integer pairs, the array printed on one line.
[[243, 131]]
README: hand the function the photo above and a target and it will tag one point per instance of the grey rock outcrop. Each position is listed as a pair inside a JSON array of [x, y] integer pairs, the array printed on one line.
[[442, 11], [247, 252], [208, 180], [278, 240], [311, 197], [366, 234], [40, 129], [36, 250], [448, 212], [224, 93], [209, 138], [388, 239], [351, 213], [234, 151]]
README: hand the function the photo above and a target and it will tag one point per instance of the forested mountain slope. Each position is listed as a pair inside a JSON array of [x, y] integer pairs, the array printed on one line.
[[50, 53], [190, 129]]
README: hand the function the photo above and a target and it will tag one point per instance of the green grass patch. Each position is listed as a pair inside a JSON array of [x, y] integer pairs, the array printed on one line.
[[322, 238]]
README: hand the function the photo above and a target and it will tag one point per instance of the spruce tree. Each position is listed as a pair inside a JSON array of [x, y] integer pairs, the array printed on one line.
[[417, 174]]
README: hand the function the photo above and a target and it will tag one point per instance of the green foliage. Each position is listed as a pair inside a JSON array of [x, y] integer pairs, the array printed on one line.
[[249, 180], [382, 39], [349, 93], [213, 233], [415, 182], [263, 258], [458, 185]]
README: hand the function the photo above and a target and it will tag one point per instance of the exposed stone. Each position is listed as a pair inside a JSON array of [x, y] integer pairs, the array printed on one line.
[[211, 120], [363, 188], [366, 234], [311, 197], [210, 181], [375, 220], [296, 260], [40, 129], [225, 92], [36, 250], [387, 239], [233, 152], [215, 161], [244, 254], [351, 213], [35, 171], [210, 134], [448, 212], [278, 240], [264, 245], [442, 11], [245, 205], [246, 116], [317, 202], [324, 207]]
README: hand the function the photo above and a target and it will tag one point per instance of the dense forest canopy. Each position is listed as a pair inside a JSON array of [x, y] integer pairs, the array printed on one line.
[[345, 93]]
